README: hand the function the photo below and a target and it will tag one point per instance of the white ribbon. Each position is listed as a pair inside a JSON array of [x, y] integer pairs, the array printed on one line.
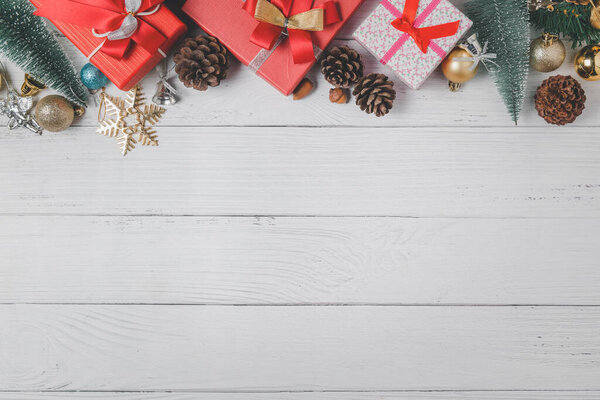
[[482, 57], [128, 26]]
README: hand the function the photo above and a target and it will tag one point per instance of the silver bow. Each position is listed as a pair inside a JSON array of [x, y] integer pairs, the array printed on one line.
[[128, 26], [130, 22], [481, 57]]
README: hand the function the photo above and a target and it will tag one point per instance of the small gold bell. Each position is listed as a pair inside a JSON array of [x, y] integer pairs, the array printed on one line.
[[31, 86]]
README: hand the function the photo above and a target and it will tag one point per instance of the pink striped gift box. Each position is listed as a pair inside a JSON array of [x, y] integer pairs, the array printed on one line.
[[398, 49]]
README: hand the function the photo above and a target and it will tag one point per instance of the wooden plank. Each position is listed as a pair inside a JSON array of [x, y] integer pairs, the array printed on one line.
[[241, 349], [512, 395], [244, 99], [437, 172], [298, 260]]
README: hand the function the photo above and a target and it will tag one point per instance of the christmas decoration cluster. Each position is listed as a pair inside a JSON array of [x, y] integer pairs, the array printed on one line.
[[280, 41]]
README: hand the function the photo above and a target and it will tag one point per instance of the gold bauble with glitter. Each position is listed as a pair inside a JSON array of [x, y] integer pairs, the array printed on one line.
[[587, 62], [458, 71], [547, 53], [54, 113], [595, 17]]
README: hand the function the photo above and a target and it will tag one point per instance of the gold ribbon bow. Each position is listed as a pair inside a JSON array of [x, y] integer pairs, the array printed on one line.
[[311, 20]]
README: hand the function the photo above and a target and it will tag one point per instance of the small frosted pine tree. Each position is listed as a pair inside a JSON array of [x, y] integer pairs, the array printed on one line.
[[504, 24], [26, 41]]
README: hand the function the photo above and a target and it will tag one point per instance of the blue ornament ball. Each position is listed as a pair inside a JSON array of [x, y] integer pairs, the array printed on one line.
[[92, 77]]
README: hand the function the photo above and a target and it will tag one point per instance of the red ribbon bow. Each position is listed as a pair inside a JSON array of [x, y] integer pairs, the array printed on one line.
[[422, 36], [106, 16], [265, 35]]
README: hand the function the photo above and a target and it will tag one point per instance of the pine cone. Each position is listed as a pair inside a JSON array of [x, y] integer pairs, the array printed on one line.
[[375, 94], [579, 2], [560, 99], [201, 62], [342, 66]]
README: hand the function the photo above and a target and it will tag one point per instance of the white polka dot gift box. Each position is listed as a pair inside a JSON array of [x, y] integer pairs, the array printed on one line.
[[412, 37]]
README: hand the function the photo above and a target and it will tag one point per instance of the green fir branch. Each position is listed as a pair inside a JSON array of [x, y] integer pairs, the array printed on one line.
[[26, 41], [570, 20], [504, 25]]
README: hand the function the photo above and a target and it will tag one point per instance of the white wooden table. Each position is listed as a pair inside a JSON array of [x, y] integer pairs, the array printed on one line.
[[280, 250]]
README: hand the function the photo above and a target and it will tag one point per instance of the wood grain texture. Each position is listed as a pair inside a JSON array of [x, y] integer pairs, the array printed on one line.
[[512, 395], [437, 172], [505, 216], [245, 99], [298, 348], [298, 260]]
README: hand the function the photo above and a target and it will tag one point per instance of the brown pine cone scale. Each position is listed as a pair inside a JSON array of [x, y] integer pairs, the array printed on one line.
[[375, 94], [342, 66], [201, 62], [560, 100]]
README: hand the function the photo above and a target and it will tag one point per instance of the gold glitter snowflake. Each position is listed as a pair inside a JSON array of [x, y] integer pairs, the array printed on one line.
[[119, 112]]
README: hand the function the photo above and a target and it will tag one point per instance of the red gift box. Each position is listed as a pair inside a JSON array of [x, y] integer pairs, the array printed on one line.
[[125, 62], [234, 26]]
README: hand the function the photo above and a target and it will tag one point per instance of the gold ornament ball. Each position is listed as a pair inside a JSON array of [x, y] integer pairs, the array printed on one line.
[[595, 17], [547, 53], [587, 62], [54, 113], [458, 71]]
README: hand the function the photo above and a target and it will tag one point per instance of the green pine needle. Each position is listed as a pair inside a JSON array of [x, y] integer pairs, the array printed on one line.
[[504, 24], [570, 20], [26, 41]]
